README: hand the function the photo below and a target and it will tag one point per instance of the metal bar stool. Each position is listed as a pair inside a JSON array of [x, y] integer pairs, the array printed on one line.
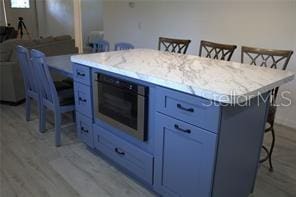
[[277, 59]]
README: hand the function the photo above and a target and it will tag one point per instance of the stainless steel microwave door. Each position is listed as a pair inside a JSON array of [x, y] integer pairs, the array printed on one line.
[[118, 104]]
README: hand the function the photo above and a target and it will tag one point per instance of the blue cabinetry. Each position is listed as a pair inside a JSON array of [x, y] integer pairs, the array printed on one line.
[[83, 103], [82, 74], [83, 100], [136, 161], [185, 157], [84, 129], [194, 110], [195, 147]]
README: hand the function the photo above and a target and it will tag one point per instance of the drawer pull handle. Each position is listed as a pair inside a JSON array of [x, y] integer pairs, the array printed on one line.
[[118, 151], [183, 130], [84, 130], [80, 74], [184, 108], [82, 99]]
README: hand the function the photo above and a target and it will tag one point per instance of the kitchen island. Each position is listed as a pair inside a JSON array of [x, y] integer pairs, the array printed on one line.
[[202, 121]]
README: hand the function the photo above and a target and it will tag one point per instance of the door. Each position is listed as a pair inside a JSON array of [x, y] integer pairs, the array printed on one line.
[[185, 157]]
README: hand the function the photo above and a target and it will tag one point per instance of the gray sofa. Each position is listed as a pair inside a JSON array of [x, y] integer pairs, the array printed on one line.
[[11, 82]]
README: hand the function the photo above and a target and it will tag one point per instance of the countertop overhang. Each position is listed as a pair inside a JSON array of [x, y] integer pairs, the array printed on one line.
[[221, 81]]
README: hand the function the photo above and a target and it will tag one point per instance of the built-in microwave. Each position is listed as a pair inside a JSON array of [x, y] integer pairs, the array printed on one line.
[[122, 104]]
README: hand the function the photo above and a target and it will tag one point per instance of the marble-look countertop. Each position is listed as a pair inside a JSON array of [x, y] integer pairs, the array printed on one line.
[[222, 81]]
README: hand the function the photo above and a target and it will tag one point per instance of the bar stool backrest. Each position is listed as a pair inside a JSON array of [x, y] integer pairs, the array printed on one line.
[[123, 46], [216, 50], [46, 85], [173, 45]]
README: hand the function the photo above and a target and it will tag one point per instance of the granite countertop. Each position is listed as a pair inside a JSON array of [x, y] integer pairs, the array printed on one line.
[[222, 81]]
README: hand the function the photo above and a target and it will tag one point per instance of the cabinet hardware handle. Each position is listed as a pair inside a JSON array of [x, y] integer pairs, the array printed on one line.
[[80, 74], [118, 151], [184, 108], [183, 130], [82, 99], [84, 130]]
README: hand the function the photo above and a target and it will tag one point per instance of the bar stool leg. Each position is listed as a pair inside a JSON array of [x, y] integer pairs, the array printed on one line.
[[57, 118], [271, 150], [42, 111], [28, 108]]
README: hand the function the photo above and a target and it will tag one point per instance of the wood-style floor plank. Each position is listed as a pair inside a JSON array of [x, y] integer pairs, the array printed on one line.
[[31, 165]]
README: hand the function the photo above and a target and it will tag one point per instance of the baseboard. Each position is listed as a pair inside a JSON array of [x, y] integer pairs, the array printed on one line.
[[11, 103], [288, 123]]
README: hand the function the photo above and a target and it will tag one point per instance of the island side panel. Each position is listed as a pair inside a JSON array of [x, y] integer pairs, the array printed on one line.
[[240, 140]]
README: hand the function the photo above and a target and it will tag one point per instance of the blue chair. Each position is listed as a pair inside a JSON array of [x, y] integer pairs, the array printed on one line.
[[123, 46], [101, 46], [31, 89], [58, 101]]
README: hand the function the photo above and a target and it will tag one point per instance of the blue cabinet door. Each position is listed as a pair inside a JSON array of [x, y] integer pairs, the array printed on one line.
[[84, 129], [83, 99], [185, 157]]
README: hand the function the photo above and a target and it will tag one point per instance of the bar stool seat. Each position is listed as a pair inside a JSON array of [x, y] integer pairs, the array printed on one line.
[[61, 85]]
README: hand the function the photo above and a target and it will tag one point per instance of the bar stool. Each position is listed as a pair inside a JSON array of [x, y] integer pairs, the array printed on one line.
[[173, 45], [277, 59], [31, 89], [101, 46], [216, 50], [123, 46], [50, 98], [30, 83]]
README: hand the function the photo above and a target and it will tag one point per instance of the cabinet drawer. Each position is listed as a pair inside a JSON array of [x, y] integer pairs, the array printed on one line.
[[194, 110], [83, 99], [81, 74], [182, 128], [84, 129], [126, 155]]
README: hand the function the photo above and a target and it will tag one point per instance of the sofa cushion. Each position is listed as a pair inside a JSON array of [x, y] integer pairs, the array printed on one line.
[[44, 40], [7, 48], [4, 55], [63, 37], [12, 46]]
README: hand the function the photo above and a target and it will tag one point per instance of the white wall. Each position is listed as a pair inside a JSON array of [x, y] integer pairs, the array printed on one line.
[[41, 17], [91, 16], [261, 23], [55, 17]]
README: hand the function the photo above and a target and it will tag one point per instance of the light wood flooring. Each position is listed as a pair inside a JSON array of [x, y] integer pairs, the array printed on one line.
[[30, 164]]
